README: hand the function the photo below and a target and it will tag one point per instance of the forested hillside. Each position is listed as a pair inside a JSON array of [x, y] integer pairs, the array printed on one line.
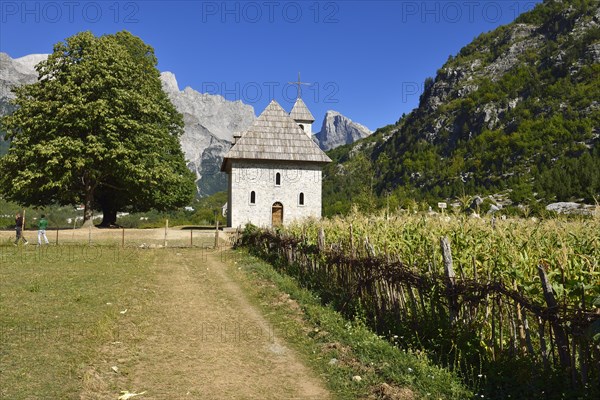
[[515, 112]]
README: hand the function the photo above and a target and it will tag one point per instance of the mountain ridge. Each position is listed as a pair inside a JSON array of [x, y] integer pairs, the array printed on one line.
[[209, 124], [515, 111], [210, 121]]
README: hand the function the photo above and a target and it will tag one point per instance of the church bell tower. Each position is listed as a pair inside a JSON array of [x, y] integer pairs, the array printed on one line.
[[300, 112]]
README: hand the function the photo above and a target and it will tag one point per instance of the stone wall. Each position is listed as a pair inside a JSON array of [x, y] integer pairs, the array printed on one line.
[[295, 178]]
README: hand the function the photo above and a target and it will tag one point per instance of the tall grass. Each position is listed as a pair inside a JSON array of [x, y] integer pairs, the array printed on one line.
[[508, 250]]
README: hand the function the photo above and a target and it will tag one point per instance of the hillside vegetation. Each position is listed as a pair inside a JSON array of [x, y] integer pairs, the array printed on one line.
[[515, 111]]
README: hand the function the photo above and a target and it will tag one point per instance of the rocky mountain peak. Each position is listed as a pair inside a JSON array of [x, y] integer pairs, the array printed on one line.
[[20, 70], [210, 122], [338, 130], [169, 82], [15, 72], [27, 63]]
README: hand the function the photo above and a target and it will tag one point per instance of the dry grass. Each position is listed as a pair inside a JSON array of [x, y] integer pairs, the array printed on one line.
[[388, 392]]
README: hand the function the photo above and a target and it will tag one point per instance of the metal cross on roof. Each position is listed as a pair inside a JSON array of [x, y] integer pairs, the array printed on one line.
[[299, 83]]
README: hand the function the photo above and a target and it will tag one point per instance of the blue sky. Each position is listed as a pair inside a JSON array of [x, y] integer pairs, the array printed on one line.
[[365, 59]]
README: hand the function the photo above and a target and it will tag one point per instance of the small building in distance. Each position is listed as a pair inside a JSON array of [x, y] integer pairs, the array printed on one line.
[[275, 169]]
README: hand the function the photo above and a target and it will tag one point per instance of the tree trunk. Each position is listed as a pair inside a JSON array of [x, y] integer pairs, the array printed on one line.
[[88, 211], [109, 210], [109, 217]]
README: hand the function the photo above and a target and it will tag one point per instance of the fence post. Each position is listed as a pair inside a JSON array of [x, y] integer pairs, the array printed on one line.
[[217, 235], [521, 324], [352, 241], [369, 248], [166, 229], [451, 278], [560, 336], [321, 239], [543, 346]]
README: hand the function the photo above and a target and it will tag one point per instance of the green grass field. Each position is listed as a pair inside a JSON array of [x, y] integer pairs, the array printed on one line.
[[58, 307]]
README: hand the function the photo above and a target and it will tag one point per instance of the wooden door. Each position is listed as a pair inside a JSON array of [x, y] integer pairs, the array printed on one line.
[[277, 214]]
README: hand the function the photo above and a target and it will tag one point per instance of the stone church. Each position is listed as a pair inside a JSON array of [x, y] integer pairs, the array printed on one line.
[[274, 169]]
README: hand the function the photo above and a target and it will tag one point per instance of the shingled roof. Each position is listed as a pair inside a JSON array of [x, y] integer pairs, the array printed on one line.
[[275, 136], [300, 112]]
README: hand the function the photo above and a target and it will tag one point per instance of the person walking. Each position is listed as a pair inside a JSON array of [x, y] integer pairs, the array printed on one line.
[[19, 229], [42, 225]]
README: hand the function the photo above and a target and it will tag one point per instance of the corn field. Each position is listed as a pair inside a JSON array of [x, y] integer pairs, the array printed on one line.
[[513, 305]]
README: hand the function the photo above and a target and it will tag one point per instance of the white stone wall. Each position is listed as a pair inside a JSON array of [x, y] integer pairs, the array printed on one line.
[[296, 178]]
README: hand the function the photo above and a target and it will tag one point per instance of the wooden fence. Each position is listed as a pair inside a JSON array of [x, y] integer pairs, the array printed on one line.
[[502, 322]]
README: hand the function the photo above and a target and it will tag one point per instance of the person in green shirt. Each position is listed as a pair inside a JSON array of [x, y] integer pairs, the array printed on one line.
[[42, 225]]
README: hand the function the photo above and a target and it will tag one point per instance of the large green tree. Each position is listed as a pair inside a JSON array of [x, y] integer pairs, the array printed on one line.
[[96, 129]]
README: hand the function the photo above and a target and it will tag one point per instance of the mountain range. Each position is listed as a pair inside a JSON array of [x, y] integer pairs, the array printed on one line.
[[514, 114], [210, 121], [209, 124]]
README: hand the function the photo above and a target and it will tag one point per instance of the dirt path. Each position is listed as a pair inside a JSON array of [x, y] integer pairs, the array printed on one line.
[[204, 340]]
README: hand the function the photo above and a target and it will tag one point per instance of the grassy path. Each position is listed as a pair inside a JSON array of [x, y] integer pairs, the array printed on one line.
[[200, 338]]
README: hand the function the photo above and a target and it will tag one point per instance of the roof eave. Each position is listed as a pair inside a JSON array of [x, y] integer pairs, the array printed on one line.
[[226, 165]]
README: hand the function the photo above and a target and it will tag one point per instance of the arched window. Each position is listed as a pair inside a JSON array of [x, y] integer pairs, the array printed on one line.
[[253, 197], [278, 179], [301, 199], [301, 126]]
